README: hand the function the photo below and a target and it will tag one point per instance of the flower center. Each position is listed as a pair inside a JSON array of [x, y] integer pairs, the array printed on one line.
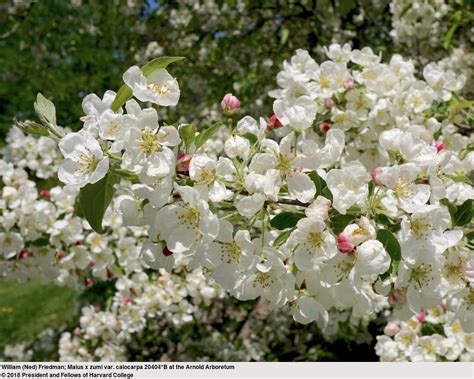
[[231, 253], [191, 218], [419, 228], [403, 188], [159, 89], [315, 239], [149, 142], [87, 162], [454, 271], [284, 163], [324, 82], [207, 177], [420, 275], [264, 279]]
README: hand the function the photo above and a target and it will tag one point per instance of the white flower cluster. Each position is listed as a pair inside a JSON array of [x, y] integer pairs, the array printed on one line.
[[419, 22], [40, 156], [166, 300], [41, 238], [354, 193], [461, 61], [17, 353], [432, 335]]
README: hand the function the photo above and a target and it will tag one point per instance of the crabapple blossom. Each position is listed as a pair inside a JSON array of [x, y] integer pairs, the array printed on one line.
[[355, 195], [84, 160], [159, 87]]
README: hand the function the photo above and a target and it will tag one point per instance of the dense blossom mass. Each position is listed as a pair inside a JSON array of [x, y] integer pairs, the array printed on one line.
[[354, 195]]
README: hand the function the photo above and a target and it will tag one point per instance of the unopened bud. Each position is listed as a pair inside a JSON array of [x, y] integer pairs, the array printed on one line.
[[440, 146], [348, 83], [88, 282], [23, 255], [182, 162], [44, 193], [273, 123], [375, 174], [230, 104], [421, 315], [324, 126], [329, 103], [391, 329], [344, 243]]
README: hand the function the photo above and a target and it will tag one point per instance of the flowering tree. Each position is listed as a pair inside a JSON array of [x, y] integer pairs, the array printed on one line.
[[355, 195], [235, 46]]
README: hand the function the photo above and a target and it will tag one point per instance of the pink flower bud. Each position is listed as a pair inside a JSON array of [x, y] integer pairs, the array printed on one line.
[[324, 126], [77, 332], [182, 163], [348, 83], [23, 255], [167, 252], [44, 193], [88, 282], [230, 104], [440, 146], [273, 123], [329, 103], [422, 315], [375, 173], [344, 243], [391, 329], [127, 300], [59, 255]]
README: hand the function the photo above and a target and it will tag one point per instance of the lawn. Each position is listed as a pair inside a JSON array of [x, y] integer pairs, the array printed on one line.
[[27, 309]]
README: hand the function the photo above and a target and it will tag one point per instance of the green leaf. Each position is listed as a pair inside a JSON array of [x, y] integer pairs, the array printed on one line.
[[156, 64], [95, 198], [31, 127], [187, 134], [127, 175], [339, 222], [286, 220], [321, 186], [345, 6], [451, 207], [449, 35], [281, 239], [464, 213], [252, 138], [391, 245], [125, 92], [459, 178], [45, 109], [470, 240], [388, 222], [284, 34], [224, 206], [202, 137], [40, 242]]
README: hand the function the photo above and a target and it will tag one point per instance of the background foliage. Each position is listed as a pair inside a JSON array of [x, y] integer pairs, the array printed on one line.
[[67, 49]]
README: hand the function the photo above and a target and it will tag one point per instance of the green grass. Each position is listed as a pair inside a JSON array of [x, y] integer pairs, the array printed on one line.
[[27, 309]]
